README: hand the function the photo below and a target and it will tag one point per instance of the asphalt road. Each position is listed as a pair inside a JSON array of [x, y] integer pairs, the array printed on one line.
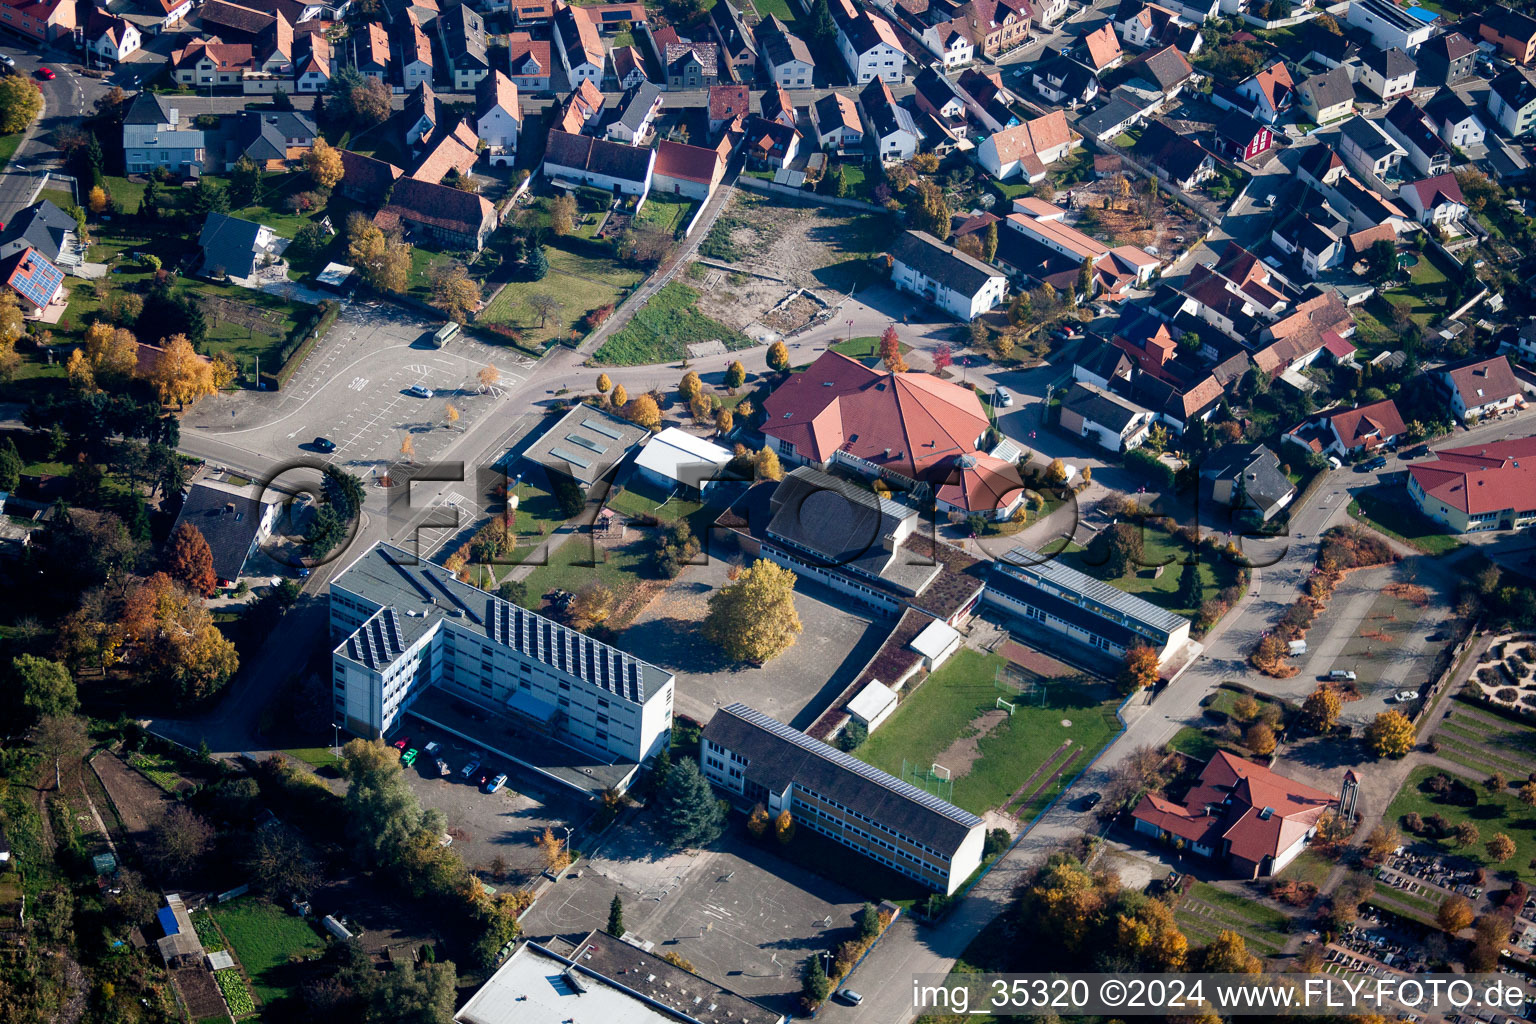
[[65, 99]]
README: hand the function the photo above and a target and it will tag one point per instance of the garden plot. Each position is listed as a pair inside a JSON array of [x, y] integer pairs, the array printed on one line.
[[1507, 673], [1206, 911], [1486, 742]]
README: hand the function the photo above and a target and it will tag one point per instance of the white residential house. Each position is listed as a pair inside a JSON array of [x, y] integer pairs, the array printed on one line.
[[1388, 73], [889, 123], [960, 285], [949, 43], [1457, 124], [836, 120], [1512, 100], [1367, 148], [1435, 200], [111, 37], [1479, 388], [871, 50], [1111, 422], [415, 55], [579, 44], [498, 117], [1389, 25]]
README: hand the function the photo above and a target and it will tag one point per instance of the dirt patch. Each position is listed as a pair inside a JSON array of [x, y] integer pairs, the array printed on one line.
[[1123, 222], [966, 751], [794, 314], [793, 241], [199, 992], [138, 802]]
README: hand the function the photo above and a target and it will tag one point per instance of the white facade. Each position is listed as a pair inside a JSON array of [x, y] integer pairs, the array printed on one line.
[[498, 127], [1515, 121], [953, 301], [1389, 25], [395, 643], [1387, 88], [792, 74], [129, 42], [880, 60]]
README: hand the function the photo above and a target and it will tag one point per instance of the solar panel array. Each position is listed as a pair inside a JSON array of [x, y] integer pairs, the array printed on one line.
[[1025, 563], [852, 764], [566, 650], [607, 430], [377, 642], [574, 460], [35, 279]]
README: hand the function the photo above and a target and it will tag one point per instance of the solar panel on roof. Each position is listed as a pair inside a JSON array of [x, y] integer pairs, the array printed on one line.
[[574, 460], [35, 279], [592, 445], [605, 429], [857, 767]]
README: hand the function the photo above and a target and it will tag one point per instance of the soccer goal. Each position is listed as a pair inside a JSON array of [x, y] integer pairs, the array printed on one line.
[[1005, 706], [1021, 686], [934, 779]]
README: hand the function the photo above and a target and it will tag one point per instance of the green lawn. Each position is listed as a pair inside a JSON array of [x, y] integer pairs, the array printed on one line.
[[780, 7], [264, 937], [942, 711], [1196, 743], [8, 146], [581, 283], [315, 757], [127, 194], [270, 207], [1386, 508], [642, 498], [664, 328], [34, 379], [1209, 910], [670, 213], [1159, 546], [1424, 291], [571, 567], [1309, 866], [1493, 812], [863, 348]]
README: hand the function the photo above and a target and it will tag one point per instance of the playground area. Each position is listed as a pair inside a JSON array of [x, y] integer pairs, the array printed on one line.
[[996, 731]]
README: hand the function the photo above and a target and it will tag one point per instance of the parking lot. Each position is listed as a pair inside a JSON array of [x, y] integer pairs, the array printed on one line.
[[483, 825], [353, 390], [743, 917]]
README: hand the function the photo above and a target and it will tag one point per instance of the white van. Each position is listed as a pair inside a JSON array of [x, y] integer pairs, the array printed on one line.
[[1341, 673]]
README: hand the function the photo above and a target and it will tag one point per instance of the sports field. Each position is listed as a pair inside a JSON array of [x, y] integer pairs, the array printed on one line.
[[995, 759]]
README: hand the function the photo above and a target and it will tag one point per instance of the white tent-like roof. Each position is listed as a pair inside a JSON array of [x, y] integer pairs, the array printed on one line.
[[680, 456]]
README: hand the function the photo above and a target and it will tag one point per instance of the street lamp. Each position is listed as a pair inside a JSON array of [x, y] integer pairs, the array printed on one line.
[[336, 739], [850, 330]]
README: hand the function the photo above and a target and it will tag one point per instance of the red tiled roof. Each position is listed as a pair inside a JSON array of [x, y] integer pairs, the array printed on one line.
[[1258, 812], [691, 163], [1483, 381], [978, 482], [840, 404], [1302, 332], [1102, 46], [1481, 479], [1368, 426], [521, 46], [727, 101]]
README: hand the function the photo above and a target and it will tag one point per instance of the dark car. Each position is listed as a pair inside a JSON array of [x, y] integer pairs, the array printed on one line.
[[1091, 801], [1416, 452], [1372, 466], [325, 444]]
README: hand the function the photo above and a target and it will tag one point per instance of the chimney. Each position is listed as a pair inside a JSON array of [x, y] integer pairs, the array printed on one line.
[[229, 508]]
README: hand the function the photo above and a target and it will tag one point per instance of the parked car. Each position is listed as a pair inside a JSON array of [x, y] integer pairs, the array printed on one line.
[[1342, 674], [496, 783], [446, 840], [409, 757], [468, 771], [1373, 465], [849, 996], [1334, 463], [1003, 397], [402, 742], [432, 748], [7, 60], [417, 391], [1402, 696], [324, 444], [442, 767], [46, 74], [1091, 801]]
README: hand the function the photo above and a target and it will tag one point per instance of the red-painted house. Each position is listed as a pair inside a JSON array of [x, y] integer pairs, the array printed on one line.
[[1241, 136]]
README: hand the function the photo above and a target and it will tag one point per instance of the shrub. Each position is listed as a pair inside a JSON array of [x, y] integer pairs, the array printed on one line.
[[1413, 823], [1508, 694]]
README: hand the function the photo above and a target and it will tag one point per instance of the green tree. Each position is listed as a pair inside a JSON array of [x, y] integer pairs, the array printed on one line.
[[1118, 549], [689, 812], [821, 30], [735, 375], [416, 994], [815, 986], [10, 466], [616, 917], [1191, 589], [853, 735], [753, 619], [869, 921], [1085, 278], [44, 687], [209, 197], [989, 243], [244, 182], [382, 811], [538, 264]]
